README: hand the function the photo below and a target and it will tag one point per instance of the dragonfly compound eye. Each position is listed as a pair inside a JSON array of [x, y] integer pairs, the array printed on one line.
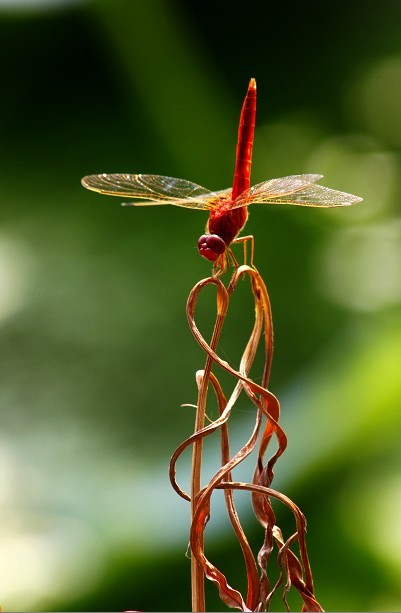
[[211, 246]]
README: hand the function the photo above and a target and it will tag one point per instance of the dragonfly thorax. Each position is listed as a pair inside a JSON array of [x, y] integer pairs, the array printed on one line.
[[227, 222], [211, 246]]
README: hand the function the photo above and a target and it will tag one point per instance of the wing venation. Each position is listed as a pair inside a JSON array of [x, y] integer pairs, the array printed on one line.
[[154, 190], [296, 190]]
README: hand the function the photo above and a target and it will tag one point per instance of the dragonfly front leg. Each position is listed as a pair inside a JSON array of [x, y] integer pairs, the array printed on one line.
[[227, 258], [244, 240], [221, 264]]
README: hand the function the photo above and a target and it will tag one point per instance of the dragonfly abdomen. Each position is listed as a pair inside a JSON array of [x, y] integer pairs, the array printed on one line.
[[243, 160]]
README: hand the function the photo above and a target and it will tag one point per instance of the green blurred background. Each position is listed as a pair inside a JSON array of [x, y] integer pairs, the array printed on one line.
[[96, 356]]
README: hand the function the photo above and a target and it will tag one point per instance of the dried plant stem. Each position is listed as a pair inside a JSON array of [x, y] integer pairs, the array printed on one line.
[[296, 571], [197, 574]]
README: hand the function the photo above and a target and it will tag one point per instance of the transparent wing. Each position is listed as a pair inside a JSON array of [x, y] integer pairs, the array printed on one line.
[[317, 195], [275, 188], [154, 189], [296, 189]]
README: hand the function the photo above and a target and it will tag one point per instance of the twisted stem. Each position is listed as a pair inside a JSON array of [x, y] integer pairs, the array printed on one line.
[[296, 571]]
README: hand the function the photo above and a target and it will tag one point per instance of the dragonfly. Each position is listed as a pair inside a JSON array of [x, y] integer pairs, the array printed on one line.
[[228, 208]]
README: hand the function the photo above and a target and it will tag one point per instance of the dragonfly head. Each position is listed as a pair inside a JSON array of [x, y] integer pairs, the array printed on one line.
[[211, 246]]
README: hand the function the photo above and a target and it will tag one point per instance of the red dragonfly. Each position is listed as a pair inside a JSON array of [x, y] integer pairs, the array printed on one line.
[[228, 208]]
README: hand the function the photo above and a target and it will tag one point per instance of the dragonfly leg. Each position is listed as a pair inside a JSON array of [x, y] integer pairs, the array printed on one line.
[[244, 240], [233, 258], [227, 258], [221, 265]]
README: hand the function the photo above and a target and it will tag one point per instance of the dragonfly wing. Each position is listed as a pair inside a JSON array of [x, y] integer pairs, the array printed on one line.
[[298, 190], [275, 188], [154, 189], [318, 195]]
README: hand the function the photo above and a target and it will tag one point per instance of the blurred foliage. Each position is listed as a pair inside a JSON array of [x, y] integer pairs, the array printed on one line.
[[96, 356]]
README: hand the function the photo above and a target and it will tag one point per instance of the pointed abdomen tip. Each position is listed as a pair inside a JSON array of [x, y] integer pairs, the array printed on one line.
[[252, 84]]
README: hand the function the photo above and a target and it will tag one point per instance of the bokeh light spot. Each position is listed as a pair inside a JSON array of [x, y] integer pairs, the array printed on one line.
[[280, 148], [361, 266], [19, 5], [377, 98], [39, 557], [376, 510], [16, 270], [355, 164]]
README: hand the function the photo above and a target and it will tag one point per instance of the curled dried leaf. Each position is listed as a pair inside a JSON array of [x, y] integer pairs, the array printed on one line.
[[294, 571]]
